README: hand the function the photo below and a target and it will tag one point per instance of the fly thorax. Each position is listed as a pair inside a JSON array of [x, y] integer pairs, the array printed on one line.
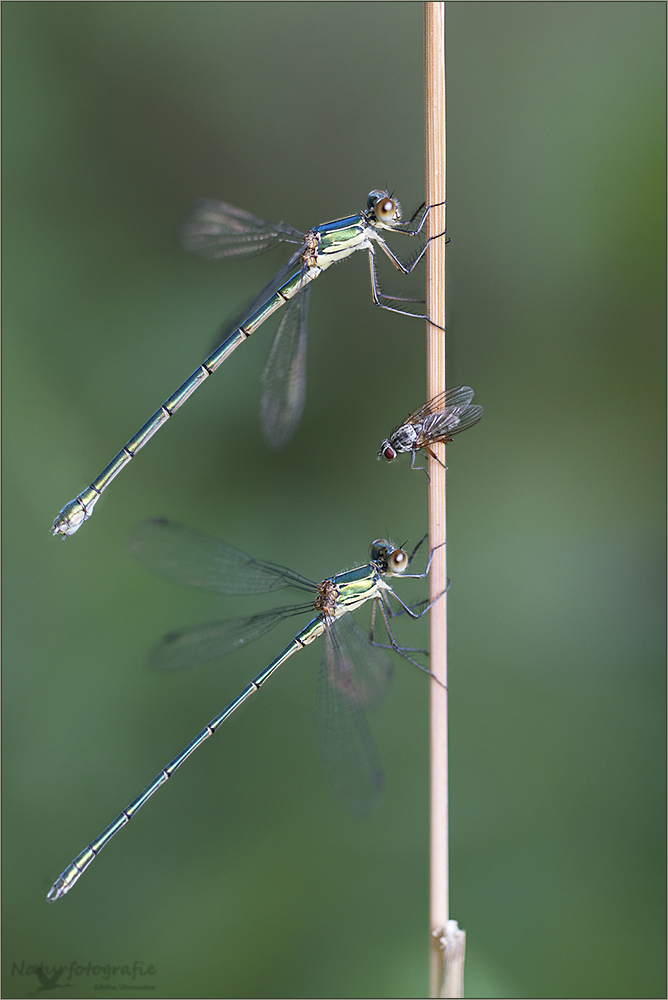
[[325, 602], [405, 438]]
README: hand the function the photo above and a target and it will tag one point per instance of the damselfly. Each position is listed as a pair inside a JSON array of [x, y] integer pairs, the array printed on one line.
[[354, 672], [446, 414], [217, 230]]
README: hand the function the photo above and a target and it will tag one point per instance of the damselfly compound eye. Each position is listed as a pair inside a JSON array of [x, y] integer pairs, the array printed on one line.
[[386, 209], [397, 561], [355, 673], [375, 196], [378, 551], [217, 230]]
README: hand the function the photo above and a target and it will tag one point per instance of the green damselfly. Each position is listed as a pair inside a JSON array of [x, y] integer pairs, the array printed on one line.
[[217, 230], [448, 413], [354, 673]]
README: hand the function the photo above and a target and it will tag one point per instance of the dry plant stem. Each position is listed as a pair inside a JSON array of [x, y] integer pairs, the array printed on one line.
[[442, 976]]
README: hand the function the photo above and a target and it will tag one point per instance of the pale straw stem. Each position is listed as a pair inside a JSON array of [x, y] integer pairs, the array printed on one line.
[[447, 941]]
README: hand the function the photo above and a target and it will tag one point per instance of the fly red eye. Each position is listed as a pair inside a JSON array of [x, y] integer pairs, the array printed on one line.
[[389, 453]]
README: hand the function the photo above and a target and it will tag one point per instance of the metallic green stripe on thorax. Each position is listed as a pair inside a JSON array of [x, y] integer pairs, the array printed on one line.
[[355, 588], [337, 240]]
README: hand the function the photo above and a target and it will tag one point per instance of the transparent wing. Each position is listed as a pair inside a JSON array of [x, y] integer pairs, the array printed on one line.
[[191, 647], [353, 677], [452, 421], [197, 560], [284, 375], [460, 395], [216, 230], [356, 668], [258, 300]]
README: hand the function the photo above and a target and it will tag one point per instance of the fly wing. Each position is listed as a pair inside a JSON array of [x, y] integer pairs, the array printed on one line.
[[468, 418], [454, 420], [197, 560], [459, 395], [284, 375], [190, 647], [217, 230], [353, 676]]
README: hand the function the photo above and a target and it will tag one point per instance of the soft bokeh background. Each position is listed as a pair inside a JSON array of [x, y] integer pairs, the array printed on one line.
[[243, 877]]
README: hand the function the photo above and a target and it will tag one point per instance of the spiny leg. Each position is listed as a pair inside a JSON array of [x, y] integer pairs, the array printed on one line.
[[424, 605], [423, 468], [419, 468], [393, 644], [419, 576], [407, 266], [377, 295], [434, 456], [414, 232]]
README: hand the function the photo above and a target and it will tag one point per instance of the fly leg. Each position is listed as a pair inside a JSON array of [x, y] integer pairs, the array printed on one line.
[[423, 468]]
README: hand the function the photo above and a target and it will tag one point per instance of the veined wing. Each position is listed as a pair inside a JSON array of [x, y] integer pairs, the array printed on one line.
[[452, 421], [190, 647], [357, 669], [284, 375], [197, 560], [460, 395], [217, 230], [353, 677], [258, 300]]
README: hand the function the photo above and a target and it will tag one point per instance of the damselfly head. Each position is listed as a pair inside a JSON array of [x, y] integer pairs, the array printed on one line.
[[387, 451], [383, 207], [387, 558]]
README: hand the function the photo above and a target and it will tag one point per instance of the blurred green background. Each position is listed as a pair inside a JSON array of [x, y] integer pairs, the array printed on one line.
[[244, 877]]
